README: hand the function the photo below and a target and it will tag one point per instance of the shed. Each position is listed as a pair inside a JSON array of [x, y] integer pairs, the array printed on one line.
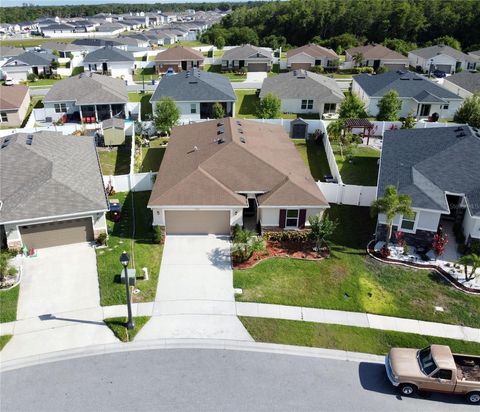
[[298, 129], [113, 131]]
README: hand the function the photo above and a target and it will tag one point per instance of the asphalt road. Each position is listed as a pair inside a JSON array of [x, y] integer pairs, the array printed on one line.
[[208, 380]]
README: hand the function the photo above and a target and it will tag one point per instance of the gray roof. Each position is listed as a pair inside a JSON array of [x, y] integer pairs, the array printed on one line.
[[109, 54], [432, 51], [195, 85], [426, 163], [88, 88], [96, 42], [113, 122], [8, 51], [302, 84], [59, 46], [109, 27], [55, 175], [33, 58], [407, 84], [475, 53], [466, 80], [245, 52]]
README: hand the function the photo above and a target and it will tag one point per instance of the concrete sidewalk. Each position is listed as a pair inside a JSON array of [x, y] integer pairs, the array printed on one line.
[[362, 320]]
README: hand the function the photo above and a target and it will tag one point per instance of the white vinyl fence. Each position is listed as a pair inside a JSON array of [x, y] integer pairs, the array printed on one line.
[[135, 182], [348, 194]]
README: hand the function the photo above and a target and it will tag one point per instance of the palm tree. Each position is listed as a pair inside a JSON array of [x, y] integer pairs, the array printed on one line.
[[472, 260], [392, 204], [358, 59]]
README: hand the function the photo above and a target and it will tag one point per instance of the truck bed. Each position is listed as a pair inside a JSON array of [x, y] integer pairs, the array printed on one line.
[[468, 368]]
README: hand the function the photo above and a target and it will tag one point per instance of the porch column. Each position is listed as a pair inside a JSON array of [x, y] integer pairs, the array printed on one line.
[[111, 112], [81, 114], [96, 113]]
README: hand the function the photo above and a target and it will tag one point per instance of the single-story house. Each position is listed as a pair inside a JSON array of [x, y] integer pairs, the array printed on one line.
[[111, 29], [195, 93], [178, 58], [87, 97], [465, 84], [58, 30], [64, 49], [376, 55], [253, 58], [419, 95], [55, 196], [476, 55], [111, 61], [89, 44], [310, 55], [19, 67], [302, 91], [438, 168], [14, 102], [220, 173], [441, 57]]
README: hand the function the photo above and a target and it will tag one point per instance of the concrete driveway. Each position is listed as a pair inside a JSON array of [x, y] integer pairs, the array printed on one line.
[[256, 77], [60, 279], [195, 297]]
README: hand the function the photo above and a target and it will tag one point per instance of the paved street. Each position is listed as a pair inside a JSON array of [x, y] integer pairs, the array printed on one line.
[[209, 380]]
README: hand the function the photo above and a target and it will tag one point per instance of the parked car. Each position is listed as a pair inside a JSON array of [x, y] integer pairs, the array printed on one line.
[[434, 369], [439, 73], [8, 81], [169, 72]]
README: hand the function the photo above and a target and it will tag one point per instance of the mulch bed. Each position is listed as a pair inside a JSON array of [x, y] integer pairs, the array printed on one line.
[[294, 250]]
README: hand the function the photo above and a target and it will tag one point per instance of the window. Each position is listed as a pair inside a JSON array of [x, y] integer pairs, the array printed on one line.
[[408, 223], [60, 107], [424, 110], [444, 107], [318, 62], [193, 108], [443, 374], [307, 104], [4, 117], [427, 364], [329, 108], [292, 218]]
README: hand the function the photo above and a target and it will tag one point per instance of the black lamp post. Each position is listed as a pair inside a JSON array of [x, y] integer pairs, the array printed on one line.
[[124, 259]]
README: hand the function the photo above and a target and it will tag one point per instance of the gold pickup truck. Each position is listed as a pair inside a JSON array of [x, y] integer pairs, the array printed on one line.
[[434, 369]]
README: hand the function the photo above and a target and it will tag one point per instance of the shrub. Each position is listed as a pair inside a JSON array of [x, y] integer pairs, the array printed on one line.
[[157, 234], [296, 236], [269, 107], [101, 239], [32, 77], [245, 243], [318, 69]]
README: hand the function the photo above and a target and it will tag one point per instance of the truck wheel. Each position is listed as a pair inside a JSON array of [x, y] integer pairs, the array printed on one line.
[[474, 397], [408, 389]]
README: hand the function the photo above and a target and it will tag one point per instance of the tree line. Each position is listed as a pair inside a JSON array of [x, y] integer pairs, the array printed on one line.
[[401, 24]]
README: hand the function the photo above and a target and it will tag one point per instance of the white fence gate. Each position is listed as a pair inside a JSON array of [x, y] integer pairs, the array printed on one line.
[[348, 194], [135, 182]]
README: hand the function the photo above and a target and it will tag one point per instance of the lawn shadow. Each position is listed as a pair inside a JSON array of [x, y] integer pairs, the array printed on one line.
[[249, 105], [152, 159], [317, 160], [146, 106], [122, 162]]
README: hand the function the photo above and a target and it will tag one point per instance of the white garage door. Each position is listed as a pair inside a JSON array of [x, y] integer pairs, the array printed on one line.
[[203, 222]]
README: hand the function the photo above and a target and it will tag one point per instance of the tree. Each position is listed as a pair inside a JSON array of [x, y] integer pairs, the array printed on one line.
[[54, 64], [321, 229], [352, 107], [390, 205], [166, 114], [219, 42], [55, 52], [217, 111], [245, 242], [389, 106], [472, 260], [335, 129], [399, 45], [358, 59], [269, 107], [409, 122], [447, 41], [469, 111]]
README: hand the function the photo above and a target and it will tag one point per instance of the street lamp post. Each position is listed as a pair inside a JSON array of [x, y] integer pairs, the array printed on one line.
[[124, 259]]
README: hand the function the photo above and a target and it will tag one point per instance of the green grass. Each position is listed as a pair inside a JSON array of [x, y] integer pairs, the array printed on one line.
[[145, 105], [116, 161], [313, 154], [42, 82], [8, 304], [33, 41], [350, 280], [152, 157], [77, 70], [232, 76], [247, 104], [218, 53], [349, 338], [147, 253], [363, 168], [342, 76], [117, 325], [146, 74], [4, 339], [186, 43]]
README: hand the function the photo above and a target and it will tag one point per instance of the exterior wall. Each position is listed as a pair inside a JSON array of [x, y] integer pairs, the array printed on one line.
[[456, 89], [419, 238], [309, 60], [235, 64], [15, 117], [17, 72], [269, 217], [415, 61], [99, 224], [471, 226], [117, 69], [49, 109], [163, 66], [425, 220], [113, 136]]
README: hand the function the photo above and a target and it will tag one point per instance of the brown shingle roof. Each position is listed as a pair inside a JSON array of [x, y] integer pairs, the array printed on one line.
[[198, 171], [376, 51], [313, 50], [179, 53], [12, 97]]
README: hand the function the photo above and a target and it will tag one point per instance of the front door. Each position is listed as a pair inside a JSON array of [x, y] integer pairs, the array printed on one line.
[[184, 65], [35, 70], [376, 64], [104, 67], [425, 110]]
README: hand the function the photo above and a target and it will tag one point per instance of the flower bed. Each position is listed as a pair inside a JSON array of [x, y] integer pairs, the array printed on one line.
[[289, 249]]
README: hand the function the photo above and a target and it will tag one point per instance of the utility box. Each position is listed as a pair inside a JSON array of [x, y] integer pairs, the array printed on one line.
[[132, 279]]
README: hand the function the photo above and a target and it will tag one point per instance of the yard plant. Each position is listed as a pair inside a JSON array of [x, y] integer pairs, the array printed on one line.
[[321, 229], [389, 106], [245, 242], [472, 260], [269, 107], [166, 114]]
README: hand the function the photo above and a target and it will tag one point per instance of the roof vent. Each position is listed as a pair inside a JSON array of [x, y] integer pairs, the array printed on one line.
[[239, 122], [29, 139], [195, 148], [458, 129], [220, 124], [242, 139], [461, 135], [240, 131], [221, 140]]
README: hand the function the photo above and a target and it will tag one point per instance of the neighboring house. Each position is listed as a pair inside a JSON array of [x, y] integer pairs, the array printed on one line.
[[14, 102], [52, 190], [64, 49], [59, 30], [476, 55], [110, 29], [465, 84], [89, 45], [110, 61], [87, 97], [438, 168], [195, 93], [376, 55], [178, 59], [253, 58], [19, 67], [419, 95], [441, 57], [311, 55], [304, 92], [220, 173]]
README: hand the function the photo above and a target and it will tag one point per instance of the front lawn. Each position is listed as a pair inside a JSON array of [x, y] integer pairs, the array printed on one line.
[[4, 339], [152, 156], [247, 104], [115, 161], [146, 74], [8, 304], [349, 338], [362, 169], [42, 82], [232, 76], [117, 325], [313, 154], [147, 253], [350, 280]]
